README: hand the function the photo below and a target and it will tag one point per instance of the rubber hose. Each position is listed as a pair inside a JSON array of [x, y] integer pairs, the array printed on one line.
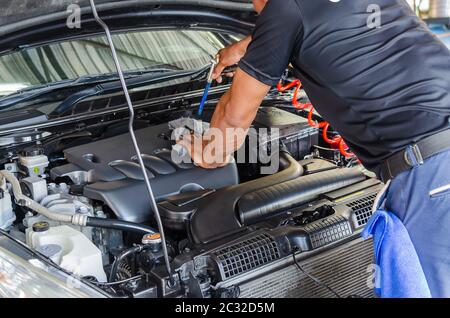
[[119, 225], [222, 212], [23, 200]]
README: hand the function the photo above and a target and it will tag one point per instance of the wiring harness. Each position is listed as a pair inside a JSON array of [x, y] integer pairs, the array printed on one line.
[[336, 141]]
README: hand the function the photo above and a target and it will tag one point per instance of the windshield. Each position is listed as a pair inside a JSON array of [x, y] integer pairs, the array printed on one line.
[[171, 49]]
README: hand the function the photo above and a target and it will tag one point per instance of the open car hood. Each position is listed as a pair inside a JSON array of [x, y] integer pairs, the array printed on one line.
[[26, 23]]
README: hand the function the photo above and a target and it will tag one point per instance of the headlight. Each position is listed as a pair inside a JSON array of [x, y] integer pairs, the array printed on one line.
[[20, 278]]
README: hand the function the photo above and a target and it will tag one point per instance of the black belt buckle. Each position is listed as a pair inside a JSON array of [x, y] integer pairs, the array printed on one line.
[[412, 155]]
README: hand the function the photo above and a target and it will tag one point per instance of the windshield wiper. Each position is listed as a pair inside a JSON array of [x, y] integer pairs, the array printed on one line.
[[147, 79], [31, 93], [114, 86]]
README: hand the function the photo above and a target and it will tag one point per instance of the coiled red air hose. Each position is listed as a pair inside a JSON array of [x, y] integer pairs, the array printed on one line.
[[336, 140]]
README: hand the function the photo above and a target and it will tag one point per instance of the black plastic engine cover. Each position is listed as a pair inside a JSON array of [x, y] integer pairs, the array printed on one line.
[[212, 215], [322, 229], [98, 156], [115, 177], [216, 216]]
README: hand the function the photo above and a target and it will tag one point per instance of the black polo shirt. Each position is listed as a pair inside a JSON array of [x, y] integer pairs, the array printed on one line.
[[381, 85]]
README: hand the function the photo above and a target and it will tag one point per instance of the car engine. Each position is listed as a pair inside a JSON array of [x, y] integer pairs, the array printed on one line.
[[230, 232]]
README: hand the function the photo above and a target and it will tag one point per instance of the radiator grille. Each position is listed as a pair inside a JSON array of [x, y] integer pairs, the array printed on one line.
[[346, 269], [362, 209], [247, 255], [328, 230]]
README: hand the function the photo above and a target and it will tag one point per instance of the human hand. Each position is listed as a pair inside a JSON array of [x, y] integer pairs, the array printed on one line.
[[202, 152], [229, 56]]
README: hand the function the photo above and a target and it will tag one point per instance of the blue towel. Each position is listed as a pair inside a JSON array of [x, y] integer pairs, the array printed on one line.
[[400, 274]]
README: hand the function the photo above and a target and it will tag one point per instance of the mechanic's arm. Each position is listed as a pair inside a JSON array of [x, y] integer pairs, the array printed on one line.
[[236, 111], [277, 32], [234, 114]]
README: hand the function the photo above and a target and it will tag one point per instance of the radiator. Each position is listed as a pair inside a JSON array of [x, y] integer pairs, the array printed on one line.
[[346, 269]]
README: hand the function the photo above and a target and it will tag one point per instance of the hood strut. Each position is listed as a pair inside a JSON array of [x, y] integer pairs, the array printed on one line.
[[133, 138]]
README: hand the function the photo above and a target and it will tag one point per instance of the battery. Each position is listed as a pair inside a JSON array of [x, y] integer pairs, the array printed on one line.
[[274, 127], [293, 131]]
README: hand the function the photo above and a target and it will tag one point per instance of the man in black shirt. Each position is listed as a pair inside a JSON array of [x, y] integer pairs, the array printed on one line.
[[374, 71]]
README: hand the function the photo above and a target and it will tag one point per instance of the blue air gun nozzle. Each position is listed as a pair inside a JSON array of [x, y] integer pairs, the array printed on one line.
[[208, 85]]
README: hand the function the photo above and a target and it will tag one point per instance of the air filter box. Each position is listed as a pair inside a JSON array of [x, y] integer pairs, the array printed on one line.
[[294, 131], [274, 126]]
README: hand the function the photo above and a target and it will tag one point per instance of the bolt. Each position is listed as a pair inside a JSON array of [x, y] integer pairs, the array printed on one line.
[[171, 283], [198, 263]]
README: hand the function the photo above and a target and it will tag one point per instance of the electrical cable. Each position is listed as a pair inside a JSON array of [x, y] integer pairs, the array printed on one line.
[[134, 140], [117, 282], [315, 279]]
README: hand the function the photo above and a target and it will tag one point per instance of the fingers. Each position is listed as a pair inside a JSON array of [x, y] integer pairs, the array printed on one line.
[[196, 152], [218, 71], [219, 78], [194, 148], [185, 143]]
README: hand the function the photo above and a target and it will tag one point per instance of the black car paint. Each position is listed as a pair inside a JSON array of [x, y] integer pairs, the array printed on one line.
[[20, 29]]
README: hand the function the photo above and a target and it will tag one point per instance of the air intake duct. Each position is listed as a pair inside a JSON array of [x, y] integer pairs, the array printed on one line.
[[215, 216], [258, 205]]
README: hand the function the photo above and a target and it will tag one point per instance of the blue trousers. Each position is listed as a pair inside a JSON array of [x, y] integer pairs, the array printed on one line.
[[421, 199]]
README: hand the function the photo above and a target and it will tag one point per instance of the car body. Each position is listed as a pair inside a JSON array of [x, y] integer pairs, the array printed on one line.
[[65, 142]]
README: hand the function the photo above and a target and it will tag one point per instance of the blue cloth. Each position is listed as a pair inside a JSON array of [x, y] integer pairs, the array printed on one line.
[[420, 198], [443, 32], [398, 272]]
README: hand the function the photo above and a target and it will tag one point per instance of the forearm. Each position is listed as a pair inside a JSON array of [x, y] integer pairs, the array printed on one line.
[[229, 114], [232, 118], [231, 124], [235, 113], [243, 44], [223, 117]]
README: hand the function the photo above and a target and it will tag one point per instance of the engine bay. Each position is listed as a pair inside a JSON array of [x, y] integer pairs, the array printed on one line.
[[226, 228]]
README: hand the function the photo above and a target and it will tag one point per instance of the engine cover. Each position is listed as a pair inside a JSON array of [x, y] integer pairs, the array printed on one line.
[[322, 236], [112, 175]]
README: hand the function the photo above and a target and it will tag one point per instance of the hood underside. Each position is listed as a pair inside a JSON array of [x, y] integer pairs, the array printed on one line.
[[26, 23]]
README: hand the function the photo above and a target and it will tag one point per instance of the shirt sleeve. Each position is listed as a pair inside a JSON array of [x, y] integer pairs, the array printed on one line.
[[278, 30]]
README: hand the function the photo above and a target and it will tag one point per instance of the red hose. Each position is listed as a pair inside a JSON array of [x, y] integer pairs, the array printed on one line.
[[313, 123], [288, 86], [336, 140], [282, 89], [344, 149]]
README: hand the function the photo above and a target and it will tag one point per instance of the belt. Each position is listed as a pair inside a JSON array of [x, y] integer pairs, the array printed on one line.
[[414, 155]]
